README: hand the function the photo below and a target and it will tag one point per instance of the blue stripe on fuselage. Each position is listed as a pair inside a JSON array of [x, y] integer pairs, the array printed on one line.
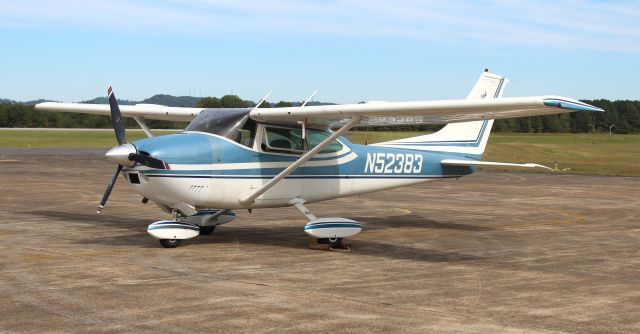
[[207, 150]]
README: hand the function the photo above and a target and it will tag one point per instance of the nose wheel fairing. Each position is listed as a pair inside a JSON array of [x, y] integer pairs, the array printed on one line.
[[170, 232], [173, 230]]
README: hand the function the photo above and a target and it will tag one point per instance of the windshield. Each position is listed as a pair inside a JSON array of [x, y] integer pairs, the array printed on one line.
[[224, 122]]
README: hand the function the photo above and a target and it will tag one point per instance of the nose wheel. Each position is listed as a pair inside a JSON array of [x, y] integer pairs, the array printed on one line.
[[170, 243], [332, 242]]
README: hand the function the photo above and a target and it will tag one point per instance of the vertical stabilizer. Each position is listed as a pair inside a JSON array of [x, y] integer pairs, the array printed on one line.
[[466, 137]]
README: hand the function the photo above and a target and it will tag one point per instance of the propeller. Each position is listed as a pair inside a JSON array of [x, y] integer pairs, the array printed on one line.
[[124, 154], [116, 117], [107, 192], [118, 127], [148, 161]]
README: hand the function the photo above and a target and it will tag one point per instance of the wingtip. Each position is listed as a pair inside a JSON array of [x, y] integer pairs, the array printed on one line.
[[569, 104]]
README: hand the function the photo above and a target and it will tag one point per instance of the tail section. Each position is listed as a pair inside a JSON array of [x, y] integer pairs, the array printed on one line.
[[466, 137]]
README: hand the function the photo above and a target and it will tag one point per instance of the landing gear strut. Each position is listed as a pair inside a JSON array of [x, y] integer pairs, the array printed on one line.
[[207, 230]]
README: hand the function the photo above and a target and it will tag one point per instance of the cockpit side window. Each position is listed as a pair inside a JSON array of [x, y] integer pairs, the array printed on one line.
[[248, 133], [314, 138], [289, 141], [282, 140]]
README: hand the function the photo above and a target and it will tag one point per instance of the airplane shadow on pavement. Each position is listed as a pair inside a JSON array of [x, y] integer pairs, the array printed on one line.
[[287, 236]]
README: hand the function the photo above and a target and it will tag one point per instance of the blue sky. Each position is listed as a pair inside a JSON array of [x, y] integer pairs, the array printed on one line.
[[349, 50]]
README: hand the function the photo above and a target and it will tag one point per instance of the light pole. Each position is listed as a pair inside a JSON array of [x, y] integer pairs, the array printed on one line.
[[610, 127]]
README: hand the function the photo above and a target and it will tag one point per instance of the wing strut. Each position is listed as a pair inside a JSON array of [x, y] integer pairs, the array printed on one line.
[[251, 198], [143, 125]]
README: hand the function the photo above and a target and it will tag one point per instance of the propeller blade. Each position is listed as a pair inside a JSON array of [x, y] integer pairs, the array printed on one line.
[[148, 161], [107, 192], [116, 117]]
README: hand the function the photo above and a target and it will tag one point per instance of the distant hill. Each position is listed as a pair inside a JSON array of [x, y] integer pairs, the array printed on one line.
[[314, 103], [161, 99], [104, 100], [173, 101], [29, 103], [34, 102]]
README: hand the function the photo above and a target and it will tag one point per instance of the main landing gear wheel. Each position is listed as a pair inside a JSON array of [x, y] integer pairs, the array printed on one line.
[[332, 244], [170, 243], [207, 230]]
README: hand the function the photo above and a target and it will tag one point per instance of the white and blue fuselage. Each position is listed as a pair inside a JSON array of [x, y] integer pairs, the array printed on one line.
[[211, 171]]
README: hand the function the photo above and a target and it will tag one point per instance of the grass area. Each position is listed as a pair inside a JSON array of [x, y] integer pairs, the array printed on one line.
[[595, 154], [65, 138]]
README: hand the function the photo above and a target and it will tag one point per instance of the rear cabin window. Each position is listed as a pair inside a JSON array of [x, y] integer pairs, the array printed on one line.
[[287, 140]]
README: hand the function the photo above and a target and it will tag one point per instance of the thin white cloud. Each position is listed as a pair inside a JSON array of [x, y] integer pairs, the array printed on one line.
[[566, 24]]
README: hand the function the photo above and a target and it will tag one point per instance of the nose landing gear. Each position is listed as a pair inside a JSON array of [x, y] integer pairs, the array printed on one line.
[[170, 243], [334, 244]]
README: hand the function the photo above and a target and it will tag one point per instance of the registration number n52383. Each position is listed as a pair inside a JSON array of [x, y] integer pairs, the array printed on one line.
[[393, 163]]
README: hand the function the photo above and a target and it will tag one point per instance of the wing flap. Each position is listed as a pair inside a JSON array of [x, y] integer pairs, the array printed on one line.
[[147, 111], [475, 163]]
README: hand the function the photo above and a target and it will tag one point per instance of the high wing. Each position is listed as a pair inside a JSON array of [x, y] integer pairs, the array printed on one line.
[[370, 114], [426, 112], [481, 107], [148, 111]]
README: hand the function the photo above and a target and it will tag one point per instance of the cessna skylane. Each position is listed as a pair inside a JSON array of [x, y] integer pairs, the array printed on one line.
[[247, 158]]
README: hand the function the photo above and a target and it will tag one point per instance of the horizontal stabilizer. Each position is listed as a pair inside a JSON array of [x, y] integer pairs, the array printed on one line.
[[454, 162]]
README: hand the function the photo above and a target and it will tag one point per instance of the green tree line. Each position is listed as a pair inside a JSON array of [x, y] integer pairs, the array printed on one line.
[[624, 114]]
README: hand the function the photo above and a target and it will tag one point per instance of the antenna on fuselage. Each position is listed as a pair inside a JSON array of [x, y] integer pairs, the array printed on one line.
[[263, 99], [309, 98]]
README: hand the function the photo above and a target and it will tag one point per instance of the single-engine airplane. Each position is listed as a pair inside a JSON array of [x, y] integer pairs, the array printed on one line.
[[246, 158]]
